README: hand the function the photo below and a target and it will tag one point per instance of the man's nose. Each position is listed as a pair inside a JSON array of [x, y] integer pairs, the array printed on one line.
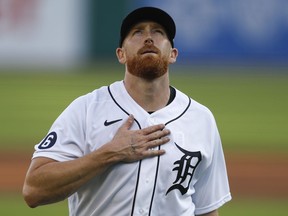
[[149, 41]]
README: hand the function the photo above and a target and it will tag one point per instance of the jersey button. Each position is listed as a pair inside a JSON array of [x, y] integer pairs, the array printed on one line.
[[141, 211], [152, 121]]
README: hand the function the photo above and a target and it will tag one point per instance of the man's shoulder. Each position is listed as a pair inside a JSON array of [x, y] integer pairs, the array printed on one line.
[[98, 94], [195, 106]]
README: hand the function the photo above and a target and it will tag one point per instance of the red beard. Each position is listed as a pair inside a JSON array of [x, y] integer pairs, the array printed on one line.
[[148, 67]]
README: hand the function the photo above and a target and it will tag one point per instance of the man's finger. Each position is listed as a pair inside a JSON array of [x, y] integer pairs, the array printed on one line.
[[153, 129], [128, 123]]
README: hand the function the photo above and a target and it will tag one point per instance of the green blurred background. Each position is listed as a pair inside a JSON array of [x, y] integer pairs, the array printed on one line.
[[54, 51], [250, 108]]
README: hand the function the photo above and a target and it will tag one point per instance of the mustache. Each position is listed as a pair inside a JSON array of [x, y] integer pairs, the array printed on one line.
[[148, 49]]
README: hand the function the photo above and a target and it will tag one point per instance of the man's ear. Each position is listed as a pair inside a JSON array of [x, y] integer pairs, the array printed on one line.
[[121, 55], [173, 55]]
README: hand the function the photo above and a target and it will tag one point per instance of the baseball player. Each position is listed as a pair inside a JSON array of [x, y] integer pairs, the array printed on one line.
[[136, 147]]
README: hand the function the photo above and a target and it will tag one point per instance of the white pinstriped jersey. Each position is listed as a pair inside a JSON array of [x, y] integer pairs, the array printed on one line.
[[190, 178]]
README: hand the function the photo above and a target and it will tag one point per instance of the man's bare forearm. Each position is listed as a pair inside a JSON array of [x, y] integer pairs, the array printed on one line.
[[50, 181]]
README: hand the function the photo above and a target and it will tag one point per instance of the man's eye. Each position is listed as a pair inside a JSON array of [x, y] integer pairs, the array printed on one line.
[[137, 32], [159, 31]]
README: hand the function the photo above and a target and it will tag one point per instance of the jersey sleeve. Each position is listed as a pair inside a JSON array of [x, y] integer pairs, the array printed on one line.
[[66, 137], [212, 189]]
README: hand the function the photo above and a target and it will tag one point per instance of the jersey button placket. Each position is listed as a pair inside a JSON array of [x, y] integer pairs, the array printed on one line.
[[146, 176]]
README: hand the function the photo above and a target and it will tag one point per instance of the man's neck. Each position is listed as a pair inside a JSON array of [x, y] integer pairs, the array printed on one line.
[[150, 95]]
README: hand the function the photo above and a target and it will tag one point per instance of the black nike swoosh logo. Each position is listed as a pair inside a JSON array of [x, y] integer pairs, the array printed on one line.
[[107, 123]]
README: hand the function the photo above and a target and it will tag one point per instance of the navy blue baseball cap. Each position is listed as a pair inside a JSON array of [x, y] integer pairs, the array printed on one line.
[[148, 14]]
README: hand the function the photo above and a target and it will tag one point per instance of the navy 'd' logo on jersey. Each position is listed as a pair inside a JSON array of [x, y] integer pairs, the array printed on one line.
[[48, 141], [185, 168]]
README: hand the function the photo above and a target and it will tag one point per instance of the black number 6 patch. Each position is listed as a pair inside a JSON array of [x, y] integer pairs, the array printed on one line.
[[49, 141]]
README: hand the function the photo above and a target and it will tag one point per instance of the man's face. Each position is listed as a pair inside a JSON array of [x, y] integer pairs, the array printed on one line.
[[147, 50]]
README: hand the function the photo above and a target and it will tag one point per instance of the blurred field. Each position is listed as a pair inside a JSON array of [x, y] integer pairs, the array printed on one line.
[[250, 109], [13, 205]]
